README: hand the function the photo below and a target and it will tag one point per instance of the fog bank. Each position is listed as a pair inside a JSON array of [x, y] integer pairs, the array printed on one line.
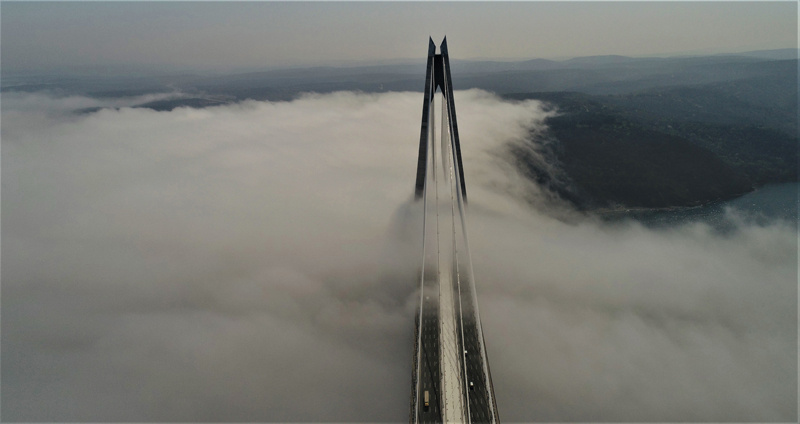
[[253, 262]]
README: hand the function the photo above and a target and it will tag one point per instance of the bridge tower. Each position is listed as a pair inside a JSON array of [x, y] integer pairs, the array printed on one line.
[[451, 381]]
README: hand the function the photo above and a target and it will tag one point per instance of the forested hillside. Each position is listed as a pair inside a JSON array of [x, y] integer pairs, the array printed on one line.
[[672, 146]]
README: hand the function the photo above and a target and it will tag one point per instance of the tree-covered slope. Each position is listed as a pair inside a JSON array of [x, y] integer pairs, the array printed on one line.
[[675, 147]]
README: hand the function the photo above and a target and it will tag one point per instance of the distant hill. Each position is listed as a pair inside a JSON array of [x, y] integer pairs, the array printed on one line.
[[778, 54], [594, 75]]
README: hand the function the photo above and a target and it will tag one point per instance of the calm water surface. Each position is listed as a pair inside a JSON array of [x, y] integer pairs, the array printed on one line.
[[767, 204]]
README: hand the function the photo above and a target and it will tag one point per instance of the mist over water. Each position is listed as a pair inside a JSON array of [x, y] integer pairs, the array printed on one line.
[[773, 202], [256, 262]]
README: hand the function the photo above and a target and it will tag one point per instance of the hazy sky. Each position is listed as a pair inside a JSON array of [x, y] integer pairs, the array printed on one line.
[[225, 36]]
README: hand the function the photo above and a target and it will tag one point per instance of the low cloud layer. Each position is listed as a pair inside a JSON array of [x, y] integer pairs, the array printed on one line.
[[252, 262]]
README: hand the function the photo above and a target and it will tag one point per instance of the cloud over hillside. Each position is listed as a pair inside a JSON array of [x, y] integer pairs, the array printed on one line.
[[250, 262]]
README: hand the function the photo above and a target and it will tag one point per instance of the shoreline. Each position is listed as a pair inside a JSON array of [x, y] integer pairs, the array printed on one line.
[[633, 211]]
